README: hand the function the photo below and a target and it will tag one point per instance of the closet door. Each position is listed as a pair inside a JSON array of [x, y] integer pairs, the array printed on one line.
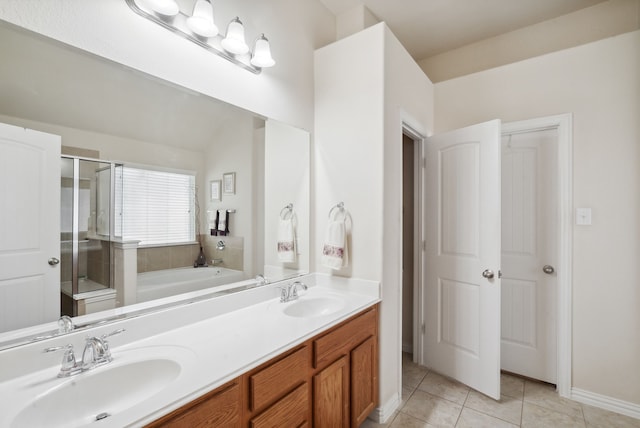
[[462, 256], [29, 227]]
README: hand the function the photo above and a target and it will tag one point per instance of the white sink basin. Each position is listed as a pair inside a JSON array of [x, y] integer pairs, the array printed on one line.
[[313, 307], [100, 393]]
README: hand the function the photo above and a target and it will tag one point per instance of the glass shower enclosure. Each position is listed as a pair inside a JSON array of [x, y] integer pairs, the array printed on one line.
[[86, 233]]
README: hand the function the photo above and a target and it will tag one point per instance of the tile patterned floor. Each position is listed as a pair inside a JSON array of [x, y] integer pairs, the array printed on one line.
[[431, 400]]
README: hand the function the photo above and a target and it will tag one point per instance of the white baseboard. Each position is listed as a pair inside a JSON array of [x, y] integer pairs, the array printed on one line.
[[383, 413], [606, 403]]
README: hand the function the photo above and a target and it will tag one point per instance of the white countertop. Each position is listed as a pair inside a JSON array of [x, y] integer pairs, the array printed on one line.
[[214, 340]]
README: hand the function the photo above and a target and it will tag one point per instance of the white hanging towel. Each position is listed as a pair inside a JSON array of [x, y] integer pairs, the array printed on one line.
[[334, 251], [222, 221], [286, 240]]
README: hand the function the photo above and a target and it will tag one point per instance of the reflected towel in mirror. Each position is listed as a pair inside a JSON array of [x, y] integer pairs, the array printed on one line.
[[286, 240], [223, 222]]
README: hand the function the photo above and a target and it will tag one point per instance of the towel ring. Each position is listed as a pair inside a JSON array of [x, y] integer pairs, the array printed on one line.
[[286, 210], [339, 206]]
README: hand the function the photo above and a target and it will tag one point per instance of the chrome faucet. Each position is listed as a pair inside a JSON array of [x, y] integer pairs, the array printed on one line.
[[290, 292], [96, 353]]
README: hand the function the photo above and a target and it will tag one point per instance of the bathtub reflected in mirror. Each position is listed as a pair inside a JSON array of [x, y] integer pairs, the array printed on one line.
[[105, 111]]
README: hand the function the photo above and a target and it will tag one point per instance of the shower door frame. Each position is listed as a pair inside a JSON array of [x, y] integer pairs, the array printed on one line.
[[75, 221]]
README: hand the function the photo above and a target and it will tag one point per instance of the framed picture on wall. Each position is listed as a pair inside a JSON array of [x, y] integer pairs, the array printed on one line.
[[216, 188], [229, 183]]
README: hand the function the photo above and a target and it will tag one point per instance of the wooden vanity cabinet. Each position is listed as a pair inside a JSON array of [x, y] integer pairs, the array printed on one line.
[[218, 408], [346, 380], [277, 393], [330, 380]]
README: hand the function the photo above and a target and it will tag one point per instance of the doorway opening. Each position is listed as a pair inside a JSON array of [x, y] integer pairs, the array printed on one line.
[[561, 124]]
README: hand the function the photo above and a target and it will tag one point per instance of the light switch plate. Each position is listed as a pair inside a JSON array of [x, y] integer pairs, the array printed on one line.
[[583, 216]]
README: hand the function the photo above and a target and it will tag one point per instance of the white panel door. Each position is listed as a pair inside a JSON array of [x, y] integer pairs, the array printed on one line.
[[529, 233], [462, 216], [29, 227]]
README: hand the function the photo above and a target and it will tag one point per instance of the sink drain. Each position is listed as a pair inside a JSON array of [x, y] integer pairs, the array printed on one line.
[[102, 416]]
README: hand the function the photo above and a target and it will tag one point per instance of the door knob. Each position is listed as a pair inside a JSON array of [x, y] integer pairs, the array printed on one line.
[[488, 273], [548, 269], [53, 261]]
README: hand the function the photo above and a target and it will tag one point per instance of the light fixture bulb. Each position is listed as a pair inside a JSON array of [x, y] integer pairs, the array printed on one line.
[[164, 7], [234, 40], [262, 53], [201, 22]]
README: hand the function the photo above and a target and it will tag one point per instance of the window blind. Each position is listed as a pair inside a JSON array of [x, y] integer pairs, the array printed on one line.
[[155, 207]]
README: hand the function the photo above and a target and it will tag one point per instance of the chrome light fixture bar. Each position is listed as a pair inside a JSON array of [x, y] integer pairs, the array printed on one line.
[[200, 29]]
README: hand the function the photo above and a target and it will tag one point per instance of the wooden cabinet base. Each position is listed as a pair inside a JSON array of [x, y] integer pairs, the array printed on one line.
[[329, 381]]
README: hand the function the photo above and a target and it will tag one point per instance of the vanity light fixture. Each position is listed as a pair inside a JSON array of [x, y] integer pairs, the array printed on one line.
[[201, 22], [262, 53], [200, 28], [234, 40], [164, 7]]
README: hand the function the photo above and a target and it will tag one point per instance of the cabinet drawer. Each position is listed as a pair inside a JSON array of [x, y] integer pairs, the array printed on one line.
[[274, 381], [291, 411], [340, 341], [219, 408]]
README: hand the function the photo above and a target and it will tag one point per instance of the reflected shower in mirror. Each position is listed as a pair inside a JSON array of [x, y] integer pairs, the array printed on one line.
[[108, 115]]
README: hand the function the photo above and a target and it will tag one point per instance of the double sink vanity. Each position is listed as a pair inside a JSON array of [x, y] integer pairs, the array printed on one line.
[[272, 355]]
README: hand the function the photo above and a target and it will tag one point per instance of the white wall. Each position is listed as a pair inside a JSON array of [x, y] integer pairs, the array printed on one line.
[[286, 180], [600, 84], [110, 29], [231, 150], [366, 86], [605, 19], [117, 148]]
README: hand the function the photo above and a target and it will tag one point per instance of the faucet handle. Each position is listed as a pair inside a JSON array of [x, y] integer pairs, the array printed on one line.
[[284, 294], [68, 359], [106, 352], [113, 333]]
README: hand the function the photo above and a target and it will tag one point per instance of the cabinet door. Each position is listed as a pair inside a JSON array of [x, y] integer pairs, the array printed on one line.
[[331, 396], [364, 383], [220, 409]]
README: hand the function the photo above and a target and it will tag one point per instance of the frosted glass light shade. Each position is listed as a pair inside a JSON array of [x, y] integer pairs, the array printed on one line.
[[164, 7], [201, 22], [234, 40], [262, 53]]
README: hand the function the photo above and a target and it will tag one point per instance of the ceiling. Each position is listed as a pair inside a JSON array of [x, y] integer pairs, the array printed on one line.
[[50, 82], [430, 27]]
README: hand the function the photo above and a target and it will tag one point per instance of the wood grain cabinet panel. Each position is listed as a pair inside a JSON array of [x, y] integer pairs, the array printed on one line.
[[331, 396], [290, 411], [279, 378], [220, 408], [364, 381], [343, 339]]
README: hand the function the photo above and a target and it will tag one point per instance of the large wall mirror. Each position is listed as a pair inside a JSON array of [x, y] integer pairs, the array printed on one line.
[[122, 133]]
